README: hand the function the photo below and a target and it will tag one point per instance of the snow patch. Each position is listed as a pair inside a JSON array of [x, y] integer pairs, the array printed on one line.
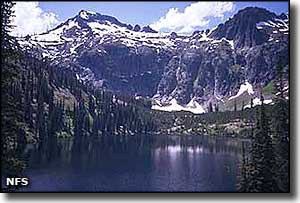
[[45, 55], [257, 101], [231, 43], [72, 49], [193, 107], [243, 88], [84, 15], [194, 47], [284, 30], [204, 37]]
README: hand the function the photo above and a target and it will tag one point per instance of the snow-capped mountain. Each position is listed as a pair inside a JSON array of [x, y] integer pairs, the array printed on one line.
[[178, 72]]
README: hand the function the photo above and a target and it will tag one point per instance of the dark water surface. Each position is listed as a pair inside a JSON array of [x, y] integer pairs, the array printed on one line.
[[136, 163]]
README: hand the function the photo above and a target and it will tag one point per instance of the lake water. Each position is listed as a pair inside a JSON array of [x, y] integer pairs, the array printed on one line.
[[135, 163]]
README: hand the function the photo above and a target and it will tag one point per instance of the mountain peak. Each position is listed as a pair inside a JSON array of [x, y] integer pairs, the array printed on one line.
[[174, 68], [255, 13], [90, 16], [253, 9], [86, 14], [242, 27], [148, 29]]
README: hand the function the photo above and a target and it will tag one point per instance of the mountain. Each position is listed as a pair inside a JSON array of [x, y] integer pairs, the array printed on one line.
[[242, 27], [206, 68]]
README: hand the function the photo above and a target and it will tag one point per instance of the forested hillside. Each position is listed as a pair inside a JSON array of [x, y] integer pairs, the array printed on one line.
[[40, 101]]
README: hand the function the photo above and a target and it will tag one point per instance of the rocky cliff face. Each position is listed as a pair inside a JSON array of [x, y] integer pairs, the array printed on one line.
[[242, 27], [207, 67]]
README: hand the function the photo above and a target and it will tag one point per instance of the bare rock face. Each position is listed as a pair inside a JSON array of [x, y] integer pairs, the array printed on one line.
[[242, 27], [136, 28], [208, 65], [148, 29]]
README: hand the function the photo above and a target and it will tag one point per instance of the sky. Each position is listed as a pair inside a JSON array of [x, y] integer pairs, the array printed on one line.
[[181, 17]]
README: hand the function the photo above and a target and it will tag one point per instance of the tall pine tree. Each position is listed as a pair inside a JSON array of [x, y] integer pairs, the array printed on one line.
[[280, 126]]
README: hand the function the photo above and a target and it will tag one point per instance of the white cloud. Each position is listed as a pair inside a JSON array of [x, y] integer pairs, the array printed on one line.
[[31, 19], [194, 16]]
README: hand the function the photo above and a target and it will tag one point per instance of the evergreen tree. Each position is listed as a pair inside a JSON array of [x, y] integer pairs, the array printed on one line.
[[210, 107], [280, 127], [268, 156], [235, 106], [7, 14], [216, 107], [251, 103], [262, 177]]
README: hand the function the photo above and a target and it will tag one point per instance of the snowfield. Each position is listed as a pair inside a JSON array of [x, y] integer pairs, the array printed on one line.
[[243, 88], [257, 101], [193, 107], [72, 34]]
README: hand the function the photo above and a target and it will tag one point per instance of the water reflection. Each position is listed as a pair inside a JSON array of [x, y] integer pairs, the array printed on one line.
[[138, 163]]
